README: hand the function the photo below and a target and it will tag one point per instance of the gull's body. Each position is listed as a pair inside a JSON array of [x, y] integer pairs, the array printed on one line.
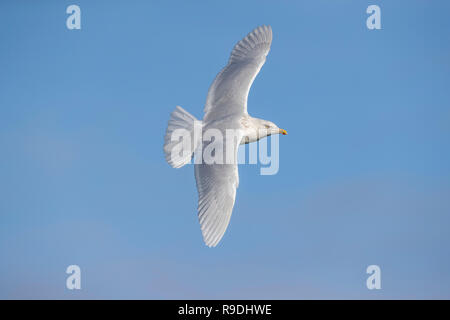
[[226, 108]]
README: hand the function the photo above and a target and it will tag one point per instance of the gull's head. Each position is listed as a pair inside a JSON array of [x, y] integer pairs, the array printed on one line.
[[271, 128]]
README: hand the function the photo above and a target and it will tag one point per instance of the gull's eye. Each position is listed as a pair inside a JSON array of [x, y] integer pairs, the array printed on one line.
[[267, 126]]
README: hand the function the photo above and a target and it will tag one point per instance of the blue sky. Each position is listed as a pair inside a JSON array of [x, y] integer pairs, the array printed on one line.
[[364, 172]]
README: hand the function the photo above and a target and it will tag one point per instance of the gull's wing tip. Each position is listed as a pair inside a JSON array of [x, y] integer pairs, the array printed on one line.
[[255, 45]]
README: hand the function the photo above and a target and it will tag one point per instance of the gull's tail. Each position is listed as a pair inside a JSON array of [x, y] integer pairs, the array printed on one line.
[[183, 135]]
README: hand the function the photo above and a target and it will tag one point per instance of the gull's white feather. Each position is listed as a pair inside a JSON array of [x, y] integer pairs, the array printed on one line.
[[180, 119], [229, 90]]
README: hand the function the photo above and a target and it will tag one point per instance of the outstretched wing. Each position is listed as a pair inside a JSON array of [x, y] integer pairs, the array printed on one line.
[[229, 91], [216, 185]]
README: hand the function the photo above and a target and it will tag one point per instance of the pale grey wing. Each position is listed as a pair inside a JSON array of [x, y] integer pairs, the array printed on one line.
[[216, 185], [229, 91]]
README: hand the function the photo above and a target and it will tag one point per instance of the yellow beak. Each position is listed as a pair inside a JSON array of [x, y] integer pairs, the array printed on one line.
[[283, 132]]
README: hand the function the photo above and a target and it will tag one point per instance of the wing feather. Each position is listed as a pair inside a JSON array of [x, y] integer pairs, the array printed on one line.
[[216, 185], [216, 201], [229, 91]]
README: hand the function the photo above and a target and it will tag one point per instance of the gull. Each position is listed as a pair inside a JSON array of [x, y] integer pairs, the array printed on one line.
[[225, 109]]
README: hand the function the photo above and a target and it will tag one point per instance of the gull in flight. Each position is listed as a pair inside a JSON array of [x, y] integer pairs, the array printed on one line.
[[225, 109]]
